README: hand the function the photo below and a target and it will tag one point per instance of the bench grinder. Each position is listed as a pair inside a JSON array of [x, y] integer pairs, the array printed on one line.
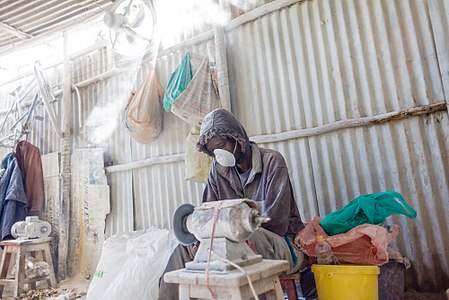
[[230, 221]]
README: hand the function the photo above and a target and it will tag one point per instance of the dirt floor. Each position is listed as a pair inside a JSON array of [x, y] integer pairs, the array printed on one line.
[[75, 288], [69, 289], [412, 295]]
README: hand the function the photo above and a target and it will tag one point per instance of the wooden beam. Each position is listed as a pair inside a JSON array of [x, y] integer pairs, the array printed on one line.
[[66, 146], [145, 163], [16, 32], [350, 123], [296, 134]]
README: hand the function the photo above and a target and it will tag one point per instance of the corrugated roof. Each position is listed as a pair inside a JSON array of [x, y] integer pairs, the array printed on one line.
[[23, 22]]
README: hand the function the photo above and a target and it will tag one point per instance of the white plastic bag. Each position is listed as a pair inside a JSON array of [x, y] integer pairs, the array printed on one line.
[[199, 97], [131, 265], [197, 164]]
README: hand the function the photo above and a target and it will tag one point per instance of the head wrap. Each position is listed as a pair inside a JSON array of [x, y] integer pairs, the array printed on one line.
[[221, 122]]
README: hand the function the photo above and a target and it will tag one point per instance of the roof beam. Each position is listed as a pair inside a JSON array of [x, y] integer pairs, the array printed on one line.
[[20, 34]]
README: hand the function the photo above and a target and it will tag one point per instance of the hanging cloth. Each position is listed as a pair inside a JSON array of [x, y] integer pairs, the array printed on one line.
[[12, 196], [178, 82], [143, 113], [199, 97], [29, 160], [370, 209]]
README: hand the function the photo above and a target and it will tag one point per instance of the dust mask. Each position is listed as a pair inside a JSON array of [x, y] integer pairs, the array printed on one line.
[[225, 158]]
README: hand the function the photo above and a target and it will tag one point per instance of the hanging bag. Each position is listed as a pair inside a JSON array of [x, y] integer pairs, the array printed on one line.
[[178, 81], [199, 97], [144, 112]]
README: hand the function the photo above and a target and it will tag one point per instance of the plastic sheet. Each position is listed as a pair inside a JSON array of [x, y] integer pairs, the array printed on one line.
[[144, 114], [131, 265], [364, 244]]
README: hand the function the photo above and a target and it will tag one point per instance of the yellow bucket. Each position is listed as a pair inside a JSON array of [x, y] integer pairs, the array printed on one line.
[[338, 282]]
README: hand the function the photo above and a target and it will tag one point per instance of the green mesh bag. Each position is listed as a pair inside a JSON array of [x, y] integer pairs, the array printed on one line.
[[369, 209], [178, 82]]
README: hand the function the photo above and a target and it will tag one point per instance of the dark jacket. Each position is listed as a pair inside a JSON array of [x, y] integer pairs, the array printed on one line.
[[12, 196]]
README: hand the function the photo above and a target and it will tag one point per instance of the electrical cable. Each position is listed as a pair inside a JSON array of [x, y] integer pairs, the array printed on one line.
[[239, 268], [217, 209]]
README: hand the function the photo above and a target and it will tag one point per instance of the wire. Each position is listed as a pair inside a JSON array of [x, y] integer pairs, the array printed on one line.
[[239, 268], [217, 209]]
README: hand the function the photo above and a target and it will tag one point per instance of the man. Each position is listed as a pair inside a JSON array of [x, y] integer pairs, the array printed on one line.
[[243, 170]]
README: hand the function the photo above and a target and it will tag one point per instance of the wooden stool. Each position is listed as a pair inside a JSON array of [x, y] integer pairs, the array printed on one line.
[[232, 285], [21, 248], [288, 283]]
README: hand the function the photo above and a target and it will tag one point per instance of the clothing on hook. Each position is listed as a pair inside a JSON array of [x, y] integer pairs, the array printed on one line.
[[29, 160]]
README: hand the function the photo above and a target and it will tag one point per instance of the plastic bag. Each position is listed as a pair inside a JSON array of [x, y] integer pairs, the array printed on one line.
[[199, 97], [197, 164], [178, 82], [364, 244], [369, 208], [144, 114], [131, 265]]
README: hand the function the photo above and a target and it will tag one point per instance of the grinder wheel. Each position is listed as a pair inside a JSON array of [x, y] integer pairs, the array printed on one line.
[[180, 226]]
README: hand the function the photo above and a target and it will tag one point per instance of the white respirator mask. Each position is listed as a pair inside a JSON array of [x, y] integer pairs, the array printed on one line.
[[225, 158]]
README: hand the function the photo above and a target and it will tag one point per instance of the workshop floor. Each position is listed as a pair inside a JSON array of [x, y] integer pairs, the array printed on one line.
[[69, 289], [76, 288]]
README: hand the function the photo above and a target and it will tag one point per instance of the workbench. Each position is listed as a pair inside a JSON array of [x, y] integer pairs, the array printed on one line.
[[232, 285]]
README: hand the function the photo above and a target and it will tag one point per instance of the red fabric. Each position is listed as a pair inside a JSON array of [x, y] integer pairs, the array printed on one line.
[[29, 160], [252, 246], [364, 244]]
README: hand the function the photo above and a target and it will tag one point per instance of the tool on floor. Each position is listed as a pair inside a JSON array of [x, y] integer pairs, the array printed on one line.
[[229, 223]]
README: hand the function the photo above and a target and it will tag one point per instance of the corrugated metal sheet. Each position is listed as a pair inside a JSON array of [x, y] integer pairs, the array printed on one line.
[[322, 61], [439, 11], [41, 132], [304, 66], [155, 206], [97, 122], [23, 21]]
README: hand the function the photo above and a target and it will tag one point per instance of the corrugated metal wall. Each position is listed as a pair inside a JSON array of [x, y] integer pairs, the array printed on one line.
[[304, 66], [98, 121], [323, 61]]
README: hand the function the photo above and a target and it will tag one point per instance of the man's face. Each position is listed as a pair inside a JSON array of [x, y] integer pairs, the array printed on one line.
[[218, 142]]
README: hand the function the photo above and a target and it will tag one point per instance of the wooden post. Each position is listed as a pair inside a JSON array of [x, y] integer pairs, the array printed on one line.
[[64, 219], [222, 68]]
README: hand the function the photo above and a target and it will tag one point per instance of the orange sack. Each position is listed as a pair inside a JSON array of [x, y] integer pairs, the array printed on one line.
[[365, 244]]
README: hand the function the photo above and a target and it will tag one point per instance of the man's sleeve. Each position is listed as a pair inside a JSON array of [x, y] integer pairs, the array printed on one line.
[[277, 204], [210, 191]]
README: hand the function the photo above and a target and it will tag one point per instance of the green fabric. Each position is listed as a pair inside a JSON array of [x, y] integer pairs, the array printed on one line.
[[178, 82], [370, 208]]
